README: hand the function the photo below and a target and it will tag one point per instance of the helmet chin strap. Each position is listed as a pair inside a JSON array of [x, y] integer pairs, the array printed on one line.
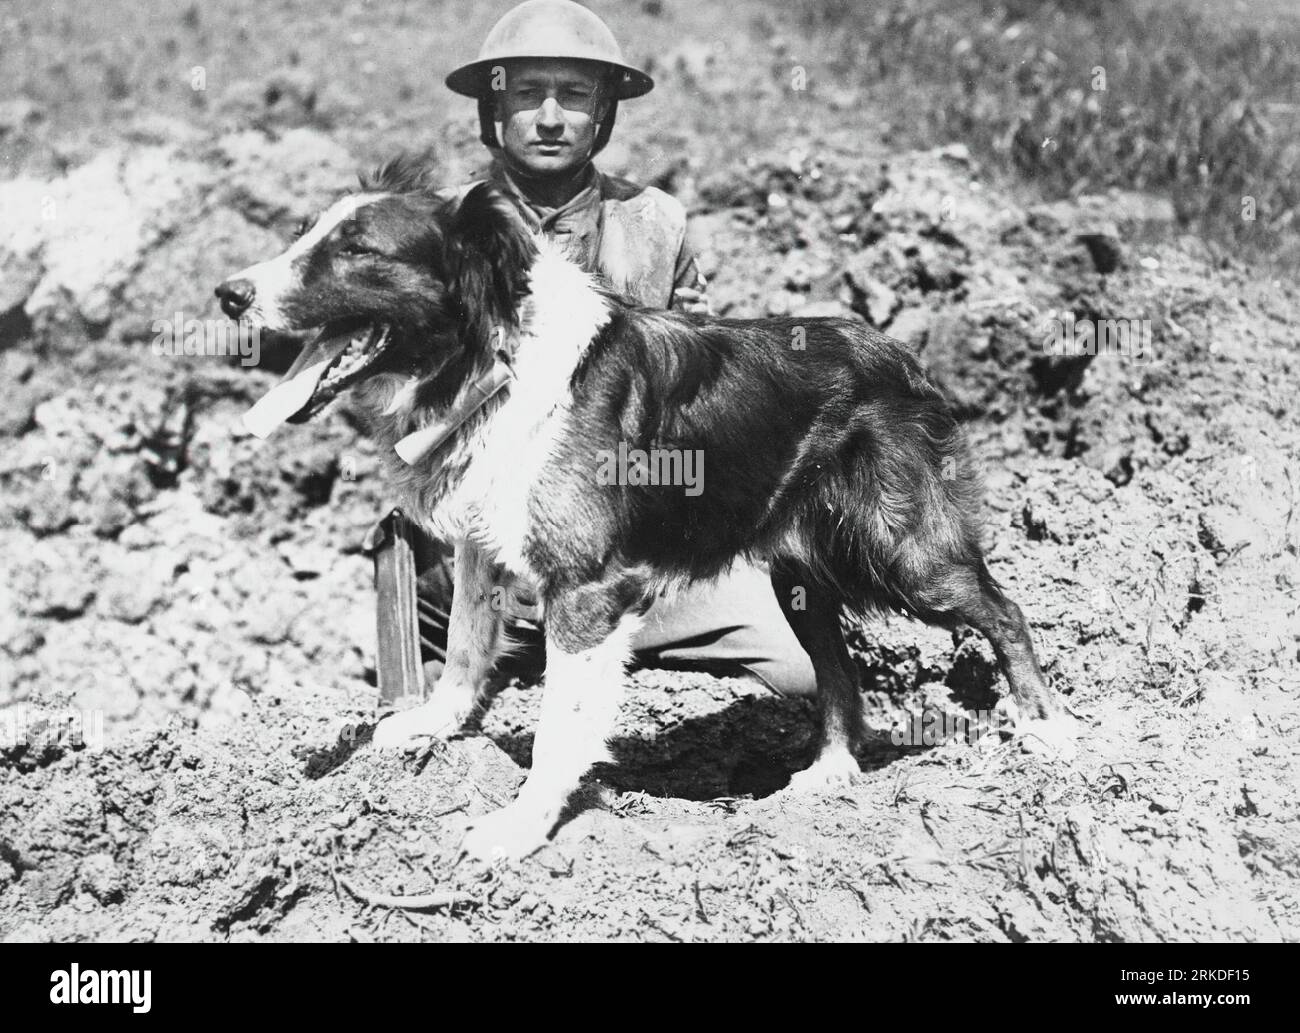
[[603, 130]]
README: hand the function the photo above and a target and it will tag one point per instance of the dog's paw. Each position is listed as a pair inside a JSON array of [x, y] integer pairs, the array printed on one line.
[[510, 834], [1054, 738], [829, 771], [408, 728]]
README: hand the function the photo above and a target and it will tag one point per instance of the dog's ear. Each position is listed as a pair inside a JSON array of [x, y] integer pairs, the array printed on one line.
[[407, 173], [490, 252]]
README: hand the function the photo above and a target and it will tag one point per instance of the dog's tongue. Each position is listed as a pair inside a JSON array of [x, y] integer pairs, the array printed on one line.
[[294, 391]]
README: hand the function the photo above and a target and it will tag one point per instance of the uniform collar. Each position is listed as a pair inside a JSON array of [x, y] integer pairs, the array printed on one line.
[[575, 225]]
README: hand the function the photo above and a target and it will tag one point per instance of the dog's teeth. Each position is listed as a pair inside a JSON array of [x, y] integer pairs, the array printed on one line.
[[356, 356]]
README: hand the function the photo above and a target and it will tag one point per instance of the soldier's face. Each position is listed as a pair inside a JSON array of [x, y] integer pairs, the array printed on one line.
[[548, 113]]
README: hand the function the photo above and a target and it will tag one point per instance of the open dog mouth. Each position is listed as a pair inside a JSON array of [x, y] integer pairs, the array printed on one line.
[[334, 360]]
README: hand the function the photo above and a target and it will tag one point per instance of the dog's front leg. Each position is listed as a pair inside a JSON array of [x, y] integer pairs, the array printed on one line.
[[588, 643], [474, 642]]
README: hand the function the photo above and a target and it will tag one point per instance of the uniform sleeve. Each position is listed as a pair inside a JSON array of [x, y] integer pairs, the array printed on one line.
[[690, 288]]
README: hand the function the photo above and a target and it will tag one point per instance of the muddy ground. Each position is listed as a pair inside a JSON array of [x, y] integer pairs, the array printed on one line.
[[203, 595]]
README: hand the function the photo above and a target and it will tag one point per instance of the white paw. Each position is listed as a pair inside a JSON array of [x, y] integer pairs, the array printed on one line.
[[510, 834], [1051, 737], [408, 728], [829, 771]]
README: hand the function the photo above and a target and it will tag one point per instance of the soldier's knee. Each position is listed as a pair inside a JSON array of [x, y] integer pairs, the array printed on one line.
[[788, 672]]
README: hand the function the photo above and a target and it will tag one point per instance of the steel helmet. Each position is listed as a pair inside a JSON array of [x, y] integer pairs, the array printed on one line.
[[549, 28]]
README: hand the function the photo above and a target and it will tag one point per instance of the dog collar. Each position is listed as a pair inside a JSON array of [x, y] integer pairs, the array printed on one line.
[[416, 446]]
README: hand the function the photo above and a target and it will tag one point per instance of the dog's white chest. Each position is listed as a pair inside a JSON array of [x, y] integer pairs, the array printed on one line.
[[494, 468], [502, 461]]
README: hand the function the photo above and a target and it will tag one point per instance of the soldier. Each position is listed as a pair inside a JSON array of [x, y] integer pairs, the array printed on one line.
[[548, 81]]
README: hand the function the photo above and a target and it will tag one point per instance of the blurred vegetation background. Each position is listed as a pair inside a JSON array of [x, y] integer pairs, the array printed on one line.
[[1201, 98], [1200, 102]]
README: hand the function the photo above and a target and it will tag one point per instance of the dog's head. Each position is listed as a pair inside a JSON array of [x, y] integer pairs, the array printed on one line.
[[392, 279]]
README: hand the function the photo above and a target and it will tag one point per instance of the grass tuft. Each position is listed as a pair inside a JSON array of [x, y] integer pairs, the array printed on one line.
[[1147, 95]]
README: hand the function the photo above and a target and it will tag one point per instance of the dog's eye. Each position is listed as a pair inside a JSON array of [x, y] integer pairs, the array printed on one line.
[[303, 226], [354, 248]]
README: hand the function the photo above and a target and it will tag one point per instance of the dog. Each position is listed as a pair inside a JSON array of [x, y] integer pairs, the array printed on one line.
[[830, 455]]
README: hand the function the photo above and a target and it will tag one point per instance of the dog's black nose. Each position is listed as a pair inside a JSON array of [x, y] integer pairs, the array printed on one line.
[[236, 296]]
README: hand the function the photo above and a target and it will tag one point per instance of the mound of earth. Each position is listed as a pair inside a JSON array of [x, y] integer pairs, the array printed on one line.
[[187, 632]]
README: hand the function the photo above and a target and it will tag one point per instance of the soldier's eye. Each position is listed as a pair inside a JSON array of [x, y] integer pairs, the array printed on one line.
[[578, 100], [304, 226]]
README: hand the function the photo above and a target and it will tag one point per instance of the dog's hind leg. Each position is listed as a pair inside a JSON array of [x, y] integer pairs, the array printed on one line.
[[474, 642], [588, 644], [814, 616], [966, 592]]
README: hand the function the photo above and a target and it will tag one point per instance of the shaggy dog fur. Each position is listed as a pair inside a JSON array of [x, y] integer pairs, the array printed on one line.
[[830, 456]]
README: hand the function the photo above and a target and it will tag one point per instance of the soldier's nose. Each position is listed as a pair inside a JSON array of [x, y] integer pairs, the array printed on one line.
[[236, 296], [549, 114]]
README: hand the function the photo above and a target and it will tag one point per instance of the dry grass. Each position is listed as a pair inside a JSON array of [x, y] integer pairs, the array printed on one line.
[[1201, 108]]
